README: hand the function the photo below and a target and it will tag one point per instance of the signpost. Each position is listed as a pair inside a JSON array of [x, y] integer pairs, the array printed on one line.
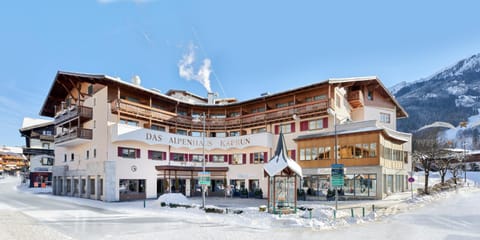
[[337, 175], [337, 180], [411, 180], [204, 178]]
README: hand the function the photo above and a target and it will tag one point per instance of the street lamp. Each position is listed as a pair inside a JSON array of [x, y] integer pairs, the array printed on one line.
[[202, 175], [203, 159], [334, 114], [465, 161]]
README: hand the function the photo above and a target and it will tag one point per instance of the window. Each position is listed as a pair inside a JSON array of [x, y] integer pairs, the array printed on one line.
[[92, 186], [385, 117], [197, 158], [182, 132], [234, 114], [180, 157], [302, 154], [182, 113], [46, 161], [157, 128], [90, 89], [320, 97], [221, 134], [129, 122], [128, 152], [257, 110], [196, 134], [156, 155], [308, 154], [281, 105], [258, 157], [217, 115], [373, 149], [315, 124], [94, 153], [47, 132], [370, 95], [237, 158], [259, 130], [72, 157], [218, 158], [65, 157], [87, 154], [286, 128], [234, 133], [46, 145]]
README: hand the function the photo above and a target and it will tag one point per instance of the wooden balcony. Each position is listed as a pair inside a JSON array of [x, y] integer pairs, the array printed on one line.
[[355, 98], [73, 135], [84, 113], [136, 110]]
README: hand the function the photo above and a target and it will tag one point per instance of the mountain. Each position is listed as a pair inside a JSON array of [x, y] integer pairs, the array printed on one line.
[[450, 95]]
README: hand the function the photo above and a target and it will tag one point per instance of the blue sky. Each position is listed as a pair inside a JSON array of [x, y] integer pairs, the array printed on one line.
[[253, 46]]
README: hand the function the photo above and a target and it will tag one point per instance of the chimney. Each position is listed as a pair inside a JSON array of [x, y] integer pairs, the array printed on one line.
[[136, 80], [211, 97]]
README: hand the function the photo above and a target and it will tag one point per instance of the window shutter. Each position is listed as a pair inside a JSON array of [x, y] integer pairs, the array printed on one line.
[[325, 123], [149, 154], [225, 158], [119, 151], [210, 158], [230, 159], [251, 158], [265, 157], [292, 127], [164, 156], [276, 129], [137, 155], [304, 126], [171, 156], [244, 158], [190, 157], [294, 154]]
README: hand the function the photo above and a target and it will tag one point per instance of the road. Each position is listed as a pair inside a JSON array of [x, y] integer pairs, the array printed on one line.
[[36, 216]]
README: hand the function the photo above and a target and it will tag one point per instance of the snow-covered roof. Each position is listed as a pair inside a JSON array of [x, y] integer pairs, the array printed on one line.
[[30, 123], [359, 127], [281, 161]]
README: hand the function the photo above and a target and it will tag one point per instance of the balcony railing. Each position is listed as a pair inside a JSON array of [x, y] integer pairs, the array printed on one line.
[[355, 98], [74, 133], [85, 113], [270, 116]]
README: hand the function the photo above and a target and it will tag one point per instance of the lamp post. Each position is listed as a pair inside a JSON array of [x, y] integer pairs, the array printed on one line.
[[465, 161], [334, 114], [203, 159]]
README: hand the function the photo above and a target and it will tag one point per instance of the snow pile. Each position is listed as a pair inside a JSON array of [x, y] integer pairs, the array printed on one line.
[[174, 198]]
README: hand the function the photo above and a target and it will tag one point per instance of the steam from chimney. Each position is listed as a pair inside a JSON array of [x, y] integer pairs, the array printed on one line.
[[186, 69]]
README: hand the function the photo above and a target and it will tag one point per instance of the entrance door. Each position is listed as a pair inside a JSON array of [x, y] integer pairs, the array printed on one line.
[[160, 188]]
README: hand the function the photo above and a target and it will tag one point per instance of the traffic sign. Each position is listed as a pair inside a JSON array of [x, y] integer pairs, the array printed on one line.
[[204, 178], [411, 179], [337, 175]]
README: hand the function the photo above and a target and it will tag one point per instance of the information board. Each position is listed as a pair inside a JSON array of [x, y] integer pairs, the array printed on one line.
[[204, 178], [337, 175]]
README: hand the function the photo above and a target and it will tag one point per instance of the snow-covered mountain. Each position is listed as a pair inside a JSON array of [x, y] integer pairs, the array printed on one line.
[[450, 95]]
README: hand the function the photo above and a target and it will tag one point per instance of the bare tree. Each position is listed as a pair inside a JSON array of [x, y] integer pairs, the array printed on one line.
[[455, 170], [427, 149]]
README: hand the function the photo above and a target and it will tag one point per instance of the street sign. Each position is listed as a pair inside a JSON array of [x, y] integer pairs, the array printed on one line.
[[411, 179], [337, 175], [204, 178]]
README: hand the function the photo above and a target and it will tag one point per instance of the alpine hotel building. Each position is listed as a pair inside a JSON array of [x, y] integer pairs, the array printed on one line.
[[117, 140]]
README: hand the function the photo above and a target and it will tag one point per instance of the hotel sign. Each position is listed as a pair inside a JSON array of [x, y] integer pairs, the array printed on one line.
[[121, 132]]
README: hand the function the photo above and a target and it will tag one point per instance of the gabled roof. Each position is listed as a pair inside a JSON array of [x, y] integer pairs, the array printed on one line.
[[401, 113], [281, 161], [32, 123]]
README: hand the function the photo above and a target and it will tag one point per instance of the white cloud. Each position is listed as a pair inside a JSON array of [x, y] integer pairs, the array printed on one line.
[[186, 68]]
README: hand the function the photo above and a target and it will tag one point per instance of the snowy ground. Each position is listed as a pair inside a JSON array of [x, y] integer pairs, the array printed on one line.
[[253, 224]]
